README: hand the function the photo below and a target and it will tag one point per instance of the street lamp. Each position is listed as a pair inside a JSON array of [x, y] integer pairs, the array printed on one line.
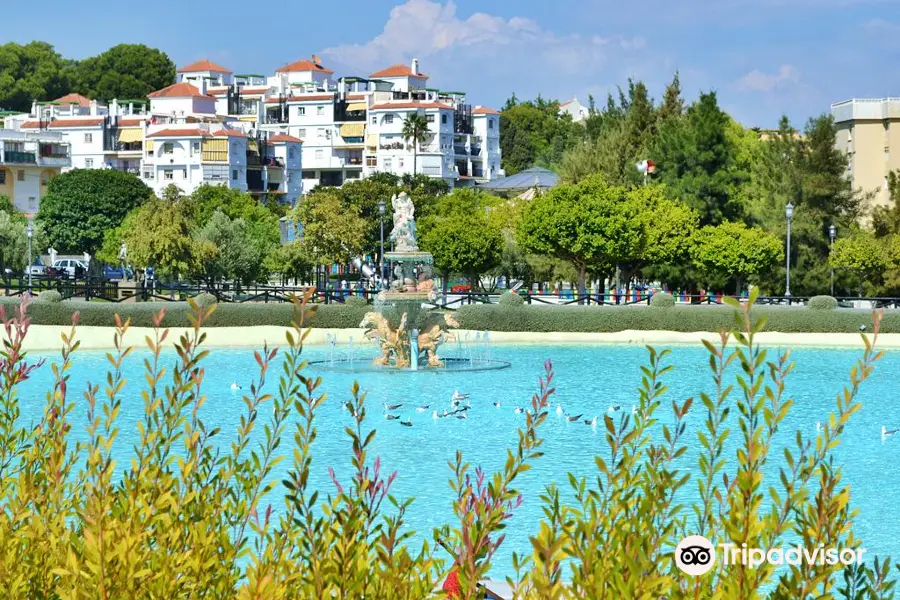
[[789, 213], [29, 233], [381, 208], [832, 233]]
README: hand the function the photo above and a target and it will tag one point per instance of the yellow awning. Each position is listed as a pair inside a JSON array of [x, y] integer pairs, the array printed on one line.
[[148, 146], [130, 135], [372, 140], [356, 106], [247, 118], [353, 130]]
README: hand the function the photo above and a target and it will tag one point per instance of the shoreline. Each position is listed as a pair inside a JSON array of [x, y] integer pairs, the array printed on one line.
[[47, 337]]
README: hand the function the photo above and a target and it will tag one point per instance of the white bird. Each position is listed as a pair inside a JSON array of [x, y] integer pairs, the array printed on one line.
[[819, 426], [235, 386], [591, 422], [434, 415], [614, 408], [519, 410], [422, 409], [497, 403], [458, 396], [559, 409]]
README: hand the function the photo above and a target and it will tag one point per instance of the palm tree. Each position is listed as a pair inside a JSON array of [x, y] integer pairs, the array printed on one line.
[[415, 130]]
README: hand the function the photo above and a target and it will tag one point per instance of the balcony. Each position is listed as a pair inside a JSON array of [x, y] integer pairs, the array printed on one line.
[[476, 149], [55, 161], [17, 157], [460, 149]]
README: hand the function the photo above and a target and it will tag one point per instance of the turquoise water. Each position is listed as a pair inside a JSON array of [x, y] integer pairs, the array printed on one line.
[[588, 380]]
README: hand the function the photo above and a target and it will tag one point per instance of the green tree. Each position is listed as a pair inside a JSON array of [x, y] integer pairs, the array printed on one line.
[[862, 254], [158, 235], [332, 228], [672, 105], [293, 261], [588, 225], [14, 243], [886, 219], [229, 252], [667, 228], [125, 71], [697, 162], [82, 205], [33, 71], [415, 131], [533, 133], [735, 251]]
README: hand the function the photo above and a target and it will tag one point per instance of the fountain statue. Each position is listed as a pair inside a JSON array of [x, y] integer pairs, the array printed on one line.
[[405, 333]]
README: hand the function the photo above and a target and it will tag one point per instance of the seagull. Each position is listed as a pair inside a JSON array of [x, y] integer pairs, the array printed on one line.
[[391, 417], [615, 408], [819, 426], [575, 418], [457, 395], [862, 328], [559, 409], [407, 422], [235, 386], [591, 422], [392, 406], [422, 409], [519, 410], [885, 432], [434, 415], [497, 403]]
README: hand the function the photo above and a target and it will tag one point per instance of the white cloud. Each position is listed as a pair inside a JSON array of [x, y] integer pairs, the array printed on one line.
[[433, 31], [758, 81]]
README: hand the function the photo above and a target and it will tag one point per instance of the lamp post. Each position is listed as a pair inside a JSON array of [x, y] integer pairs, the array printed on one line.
[[381, 208], [832, 233], [29, 233], [789, 213]]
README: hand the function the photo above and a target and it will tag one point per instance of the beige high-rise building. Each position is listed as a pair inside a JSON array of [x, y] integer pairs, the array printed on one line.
[[869, 131]]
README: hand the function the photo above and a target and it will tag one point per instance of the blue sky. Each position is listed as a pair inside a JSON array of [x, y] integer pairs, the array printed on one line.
[[764, 57]]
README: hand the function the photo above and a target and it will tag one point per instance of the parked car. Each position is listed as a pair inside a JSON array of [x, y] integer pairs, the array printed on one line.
[[117, 273], [35, 269], [71, 267], [460, 289]]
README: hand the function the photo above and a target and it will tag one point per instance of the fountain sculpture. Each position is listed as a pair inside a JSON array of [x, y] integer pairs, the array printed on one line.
[[406, 334]]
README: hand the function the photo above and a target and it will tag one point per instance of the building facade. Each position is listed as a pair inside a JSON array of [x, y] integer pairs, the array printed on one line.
[[28, 161], [280, 135], [869, 132]]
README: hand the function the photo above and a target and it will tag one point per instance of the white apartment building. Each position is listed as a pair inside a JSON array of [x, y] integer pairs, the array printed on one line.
[[868, 130], [28, 161], [277, 135], [575, 109]]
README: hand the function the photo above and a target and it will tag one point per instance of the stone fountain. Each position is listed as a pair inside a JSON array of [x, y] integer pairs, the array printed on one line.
[[406, 334]]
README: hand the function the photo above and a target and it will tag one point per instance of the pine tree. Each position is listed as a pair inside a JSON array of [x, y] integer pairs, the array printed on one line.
[[672, 106]]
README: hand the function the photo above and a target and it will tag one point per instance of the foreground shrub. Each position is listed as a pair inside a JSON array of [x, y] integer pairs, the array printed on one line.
[[186, 519], [510, 299], [205, 300], [822, 303], [662, 300], [49, 296], [356, 301]]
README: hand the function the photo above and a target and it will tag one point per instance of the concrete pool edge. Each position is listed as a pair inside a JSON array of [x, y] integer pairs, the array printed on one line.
[[47, 337]]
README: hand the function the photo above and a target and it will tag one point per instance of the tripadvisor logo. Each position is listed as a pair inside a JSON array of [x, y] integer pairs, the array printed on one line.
[[695, 555]]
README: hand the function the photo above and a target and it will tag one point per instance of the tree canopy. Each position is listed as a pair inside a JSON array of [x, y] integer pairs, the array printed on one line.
[[735, 251], [83, 204]]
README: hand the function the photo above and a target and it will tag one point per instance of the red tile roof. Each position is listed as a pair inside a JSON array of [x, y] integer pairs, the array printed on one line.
[[202, 66], [282, 138], [404, 105], [397, 71], [309, 98], [193, 132], [31, 125], [179, 90], [131, 121], [303, 65], [483, 110], [91, 122], [253, 90], [217, 91], [74, 99], [230, 133], [356, 96]]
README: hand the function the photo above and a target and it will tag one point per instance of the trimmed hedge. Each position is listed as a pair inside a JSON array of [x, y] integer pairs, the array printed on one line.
[[678, 318], [662, 300], [822, 303], [226, 315], [511, 299], [205, 299], [49, 296], [355, 301]]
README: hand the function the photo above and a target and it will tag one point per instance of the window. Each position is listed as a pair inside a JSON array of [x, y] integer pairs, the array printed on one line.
[[184, 174], [88, 138], [301, 110], [301, 133], [234, 174], [168, 148], [443, 119], [388, 164], [168, 175], [374, 120], [45, 179], [490, 123], [89, 163], [429, 118], [309, 175], [148, 174], [2, 177], [196, 146], [32, 202], [400, 162], [388, 119], [320, 110], [320, 154], [371, 161], [21, 175]]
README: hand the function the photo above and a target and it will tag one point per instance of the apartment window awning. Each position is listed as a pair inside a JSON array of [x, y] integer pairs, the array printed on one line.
[[356, 106], [372, 140], [247, 118], [131, 135], [148, 145], [353, 130]]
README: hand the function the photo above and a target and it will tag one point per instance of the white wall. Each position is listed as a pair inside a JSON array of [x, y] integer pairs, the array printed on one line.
[[85, 154]]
